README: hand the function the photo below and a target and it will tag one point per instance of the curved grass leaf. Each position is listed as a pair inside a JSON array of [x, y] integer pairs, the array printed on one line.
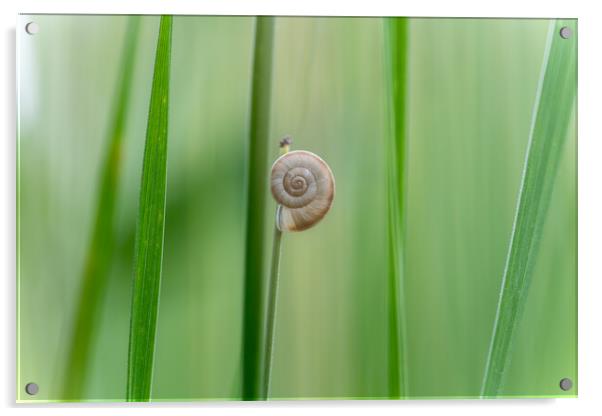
[[150, 227], [100, 250], [254, 317], [551, 116]]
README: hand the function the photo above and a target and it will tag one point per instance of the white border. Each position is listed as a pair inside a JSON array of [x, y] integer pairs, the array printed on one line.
[[508, 8], [590, 206]]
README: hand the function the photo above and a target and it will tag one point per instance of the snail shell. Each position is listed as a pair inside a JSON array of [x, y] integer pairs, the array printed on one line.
[[303, 185]]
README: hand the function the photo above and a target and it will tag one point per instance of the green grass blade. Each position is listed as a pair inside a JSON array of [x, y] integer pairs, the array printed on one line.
[[396, 51], [257, 189], [100, 250], [150, 227], [551, 116]]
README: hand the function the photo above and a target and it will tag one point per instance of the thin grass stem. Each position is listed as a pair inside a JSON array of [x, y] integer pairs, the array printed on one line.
[[271, 310], [273, 292]]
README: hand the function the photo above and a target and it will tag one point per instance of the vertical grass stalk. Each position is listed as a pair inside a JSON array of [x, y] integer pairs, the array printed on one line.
[[396, 54], [150, 227], [555, 100], [257, 187], [271, 311], [98, 258], [273, 294]]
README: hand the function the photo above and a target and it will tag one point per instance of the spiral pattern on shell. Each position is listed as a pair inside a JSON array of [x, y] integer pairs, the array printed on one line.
[[303, 185]]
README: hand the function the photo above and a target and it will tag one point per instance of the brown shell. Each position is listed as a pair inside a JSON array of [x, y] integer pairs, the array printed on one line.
[[303, 185]]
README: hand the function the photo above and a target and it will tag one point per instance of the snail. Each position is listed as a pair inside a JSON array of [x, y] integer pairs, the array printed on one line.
[[303, 185]]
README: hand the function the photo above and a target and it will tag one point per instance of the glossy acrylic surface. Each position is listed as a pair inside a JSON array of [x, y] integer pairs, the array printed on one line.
[[472, 88]]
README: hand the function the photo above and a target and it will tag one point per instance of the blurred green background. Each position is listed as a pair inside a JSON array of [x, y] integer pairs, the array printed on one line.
[[472, 87]]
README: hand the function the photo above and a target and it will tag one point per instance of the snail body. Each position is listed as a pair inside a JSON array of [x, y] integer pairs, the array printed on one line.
[[303, 185]]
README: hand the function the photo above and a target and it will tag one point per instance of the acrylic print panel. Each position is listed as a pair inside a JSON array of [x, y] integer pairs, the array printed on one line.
[[424, 245]]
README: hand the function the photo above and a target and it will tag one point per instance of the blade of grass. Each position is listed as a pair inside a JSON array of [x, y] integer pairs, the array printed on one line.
[[551, 116], [254, 319], [100, 249], [396, 52], [150, 227]]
